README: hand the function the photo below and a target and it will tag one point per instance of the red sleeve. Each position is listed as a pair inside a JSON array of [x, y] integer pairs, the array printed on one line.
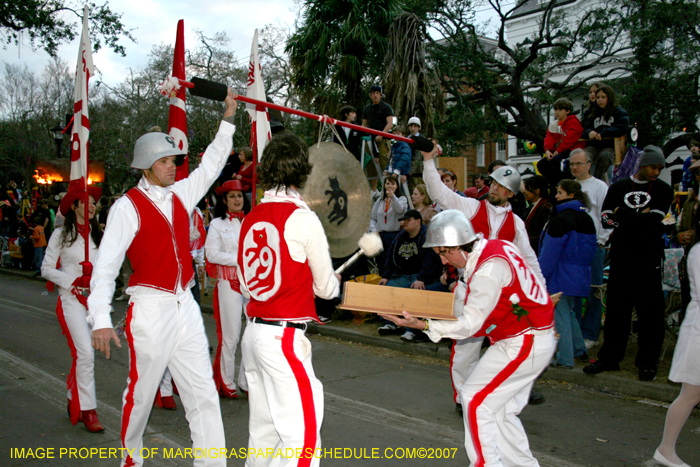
[[247, 176], [572, 133], [550, 141]]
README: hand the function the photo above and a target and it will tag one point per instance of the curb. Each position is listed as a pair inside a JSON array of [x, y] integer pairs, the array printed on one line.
[[604, 382], [26, 275]]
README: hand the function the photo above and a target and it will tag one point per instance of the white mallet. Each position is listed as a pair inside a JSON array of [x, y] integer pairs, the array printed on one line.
[[370, 245]]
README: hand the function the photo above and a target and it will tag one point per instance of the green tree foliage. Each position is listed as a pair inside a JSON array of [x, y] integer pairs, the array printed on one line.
[[662, 95], [487, 80], [339, 47], [411, 85], [47, 26], [120, 114]]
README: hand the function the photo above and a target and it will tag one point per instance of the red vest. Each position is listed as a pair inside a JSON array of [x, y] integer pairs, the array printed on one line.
[[280, 288], [160, 252], [481, 225], [502, 323]]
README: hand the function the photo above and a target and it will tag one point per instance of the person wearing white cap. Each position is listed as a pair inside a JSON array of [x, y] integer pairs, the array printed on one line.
[[164, 326], [414, 126], [634, 208], [499, 297]]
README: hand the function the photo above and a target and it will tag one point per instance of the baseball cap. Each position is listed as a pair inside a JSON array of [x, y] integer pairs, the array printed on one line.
[[411, 213]]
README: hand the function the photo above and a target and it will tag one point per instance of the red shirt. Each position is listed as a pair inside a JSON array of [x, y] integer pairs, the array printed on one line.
[[570, 131], [247, 176]]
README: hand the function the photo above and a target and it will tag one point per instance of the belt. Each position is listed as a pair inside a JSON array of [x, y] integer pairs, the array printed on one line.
[[284, 324]]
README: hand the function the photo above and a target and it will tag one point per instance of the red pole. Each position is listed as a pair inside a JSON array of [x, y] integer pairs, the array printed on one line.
[[322, 118]]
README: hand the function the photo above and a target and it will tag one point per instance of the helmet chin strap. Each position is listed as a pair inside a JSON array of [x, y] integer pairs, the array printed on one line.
[[464, 255]]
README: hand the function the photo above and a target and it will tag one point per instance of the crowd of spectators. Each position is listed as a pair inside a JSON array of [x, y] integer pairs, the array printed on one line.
[[568, 210]]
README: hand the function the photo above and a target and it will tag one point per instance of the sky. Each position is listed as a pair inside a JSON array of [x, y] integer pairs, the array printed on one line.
[[155, 22]]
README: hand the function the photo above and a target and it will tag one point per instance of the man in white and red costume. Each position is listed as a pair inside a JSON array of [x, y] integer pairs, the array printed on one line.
[[283, 260], [164, 326], [506, 302], [494, 219]]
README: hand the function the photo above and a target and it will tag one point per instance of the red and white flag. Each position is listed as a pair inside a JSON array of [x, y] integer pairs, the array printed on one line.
[[260, 133], [81, 120], [177, 117]]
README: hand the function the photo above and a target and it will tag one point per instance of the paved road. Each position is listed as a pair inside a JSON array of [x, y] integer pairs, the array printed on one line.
[[378, 402]]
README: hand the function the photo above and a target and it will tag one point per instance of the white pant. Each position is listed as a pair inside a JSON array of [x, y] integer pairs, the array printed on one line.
[[494, 395], [166, 384], [465, 356], [81, 379], [167, 331], [285, 398], [230, 306]]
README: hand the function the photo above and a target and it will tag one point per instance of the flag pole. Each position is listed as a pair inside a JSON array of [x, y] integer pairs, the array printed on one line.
[[87, 267]]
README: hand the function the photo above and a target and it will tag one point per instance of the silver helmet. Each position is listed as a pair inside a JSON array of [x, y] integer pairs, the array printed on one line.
[[151, 147], [449, 228], [508, 177]]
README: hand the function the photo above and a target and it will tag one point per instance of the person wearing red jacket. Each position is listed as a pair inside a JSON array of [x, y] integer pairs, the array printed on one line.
[[562, 137], [499, 296]]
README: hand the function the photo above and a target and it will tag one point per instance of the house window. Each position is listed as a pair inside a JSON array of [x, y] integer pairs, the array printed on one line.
[[501, 152], [480, 156]]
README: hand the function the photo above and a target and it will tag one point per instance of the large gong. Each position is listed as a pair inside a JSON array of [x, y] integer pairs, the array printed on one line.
[[337, 191]]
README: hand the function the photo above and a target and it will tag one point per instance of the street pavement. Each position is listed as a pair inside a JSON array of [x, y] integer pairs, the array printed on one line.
[[379, 403]]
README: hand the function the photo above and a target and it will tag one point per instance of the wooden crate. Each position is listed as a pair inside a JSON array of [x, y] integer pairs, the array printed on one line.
[[393, 300]]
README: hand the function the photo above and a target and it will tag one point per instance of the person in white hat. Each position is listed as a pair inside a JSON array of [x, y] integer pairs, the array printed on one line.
[[164, 326], [68, 244], [499, 296], [221, 248], [414, 126]]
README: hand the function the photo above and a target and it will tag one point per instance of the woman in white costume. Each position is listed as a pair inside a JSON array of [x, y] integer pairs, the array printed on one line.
[[685, 367], [65, 252], [221, 249]]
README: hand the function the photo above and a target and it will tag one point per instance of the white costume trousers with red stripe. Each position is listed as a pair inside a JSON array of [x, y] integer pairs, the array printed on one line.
[[285, 398], [167, 331], [464, 357], [82, 376], [494, 395], [230, 310]]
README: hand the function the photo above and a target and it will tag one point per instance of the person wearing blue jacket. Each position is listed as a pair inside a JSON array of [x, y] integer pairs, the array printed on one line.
[[409, 265], [567, 247], [400, 160]]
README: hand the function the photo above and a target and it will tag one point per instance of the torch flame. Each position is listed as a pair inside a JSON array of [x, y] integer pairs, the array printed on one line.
[[46, 179], [89, 181]]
